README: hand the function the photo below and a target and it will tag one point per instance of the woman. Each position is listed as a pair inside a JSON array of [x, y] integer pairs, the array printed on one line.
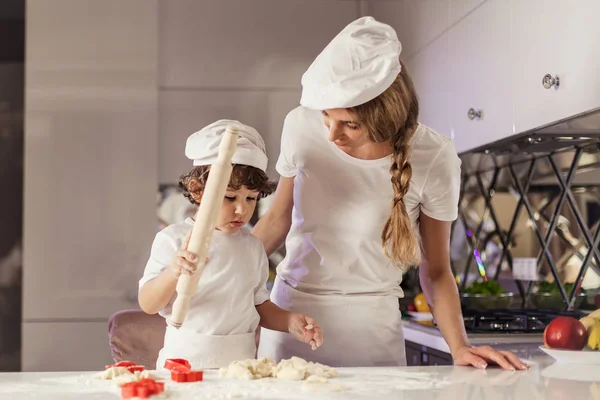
[[356, 130]]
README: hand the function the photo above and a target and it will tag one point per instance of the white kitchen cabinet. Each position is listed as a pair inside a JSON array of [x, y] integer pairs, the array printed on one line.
[[560, 38], [433, 80], [479, 65], [493, 59]]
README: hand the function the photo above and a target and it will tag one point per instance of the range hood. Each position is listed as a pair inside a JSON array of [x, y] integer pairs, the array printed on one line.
[[564, 133], [558, 138]]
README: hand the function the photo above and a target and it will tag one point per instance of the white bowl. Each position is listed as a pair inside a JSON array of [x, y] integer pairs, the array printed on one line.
[[585, 356]]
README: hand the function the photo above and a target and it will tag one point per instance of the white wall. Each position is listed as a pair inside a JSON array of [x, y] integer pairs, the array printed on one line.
[[419, 23], [237, 59], [90, 173]]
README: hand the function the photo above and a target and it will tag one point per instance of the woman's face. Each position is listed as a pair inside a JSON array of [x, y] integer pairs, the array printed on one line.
[[345, 130], [351, 136]]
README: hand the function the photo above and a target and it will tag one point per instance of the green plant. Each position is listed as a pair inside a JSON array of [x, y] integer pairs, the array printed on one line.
[[552, 287], [486, 287]]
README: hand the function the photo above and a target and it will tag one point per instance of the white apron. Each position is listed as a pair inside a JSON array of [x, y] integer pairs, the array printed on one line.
[[206, 351], [358, 331]]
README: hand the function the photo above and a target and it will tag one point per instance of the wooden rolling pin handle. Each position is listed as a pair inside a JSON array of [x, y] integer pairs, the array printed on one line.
[[206, 218]]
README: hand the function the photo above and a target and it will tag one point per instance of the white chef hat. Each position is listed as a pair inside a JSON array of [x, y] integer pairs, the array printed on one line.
[[203, 146], [359, 64]]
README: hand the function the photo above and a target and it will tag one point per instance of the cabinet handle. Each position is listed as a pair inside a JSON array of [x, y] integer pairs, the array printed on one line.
[[472, 114], [549, 81]]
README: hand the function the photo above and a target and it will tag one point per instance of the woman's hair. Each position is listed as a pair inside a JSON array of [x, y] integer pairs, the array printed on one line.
[[194, 182], [393, 116]]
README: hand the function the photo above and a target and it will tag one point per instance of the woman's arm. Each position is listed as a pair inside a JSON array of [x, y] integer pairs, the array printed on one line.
[[441, 292], [274, 226]]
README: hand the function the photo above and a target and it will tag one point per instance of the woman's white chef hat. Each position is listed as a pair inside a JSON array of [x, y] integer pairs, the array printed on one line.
[[359, 64], [203, 146]]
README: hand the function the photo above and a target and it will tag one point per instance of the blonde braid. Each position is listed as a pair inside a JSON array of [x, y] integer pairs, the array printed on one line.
[[399, 241], [393, 116]]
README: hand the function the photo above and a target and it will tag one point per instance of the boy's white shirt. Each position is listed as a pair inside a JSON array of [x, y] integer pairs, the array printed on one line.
[[231, 285]]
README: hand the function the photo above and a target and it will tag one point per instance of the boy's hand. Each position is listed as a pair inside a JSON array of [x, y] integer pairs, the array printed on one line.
[[306, 330], [185, 261]]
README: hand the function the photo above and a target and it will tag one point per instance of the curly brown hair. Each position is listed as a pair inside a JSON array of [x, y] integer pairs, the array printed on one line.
[[194, 182]]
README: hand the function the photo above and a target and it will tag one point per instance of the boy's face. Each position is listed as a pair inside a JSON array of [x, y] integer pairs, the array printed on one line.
[[237, 209]]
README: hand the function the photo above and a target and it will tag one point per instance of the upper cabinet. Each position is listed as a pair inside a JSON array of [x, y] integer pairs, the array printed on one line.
[[556, 58], [432, 84], [479, 65], [507, 67]]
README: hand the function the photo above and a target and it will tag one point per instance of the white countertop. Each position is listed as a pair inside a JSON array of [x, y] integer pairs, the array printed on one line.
[[432, 337], [545, 380]]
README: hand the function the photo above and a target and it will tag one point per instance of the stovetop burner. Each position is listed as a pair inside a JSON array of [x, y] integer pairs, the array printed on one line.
[[512, 321]]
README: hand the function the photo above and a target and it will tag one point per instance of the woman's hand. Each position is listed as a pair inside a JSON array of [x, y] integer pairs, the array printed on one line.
[[306, 330], [480, 356]]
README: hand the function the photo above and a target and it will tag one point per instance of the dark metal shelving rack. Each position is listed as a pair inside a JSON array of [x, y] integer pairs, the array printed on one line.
[[525, 154]]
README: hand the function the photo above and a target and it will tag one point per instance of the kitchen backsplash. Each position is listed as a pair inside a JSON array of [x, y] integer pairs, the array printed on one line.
[[540, 210]]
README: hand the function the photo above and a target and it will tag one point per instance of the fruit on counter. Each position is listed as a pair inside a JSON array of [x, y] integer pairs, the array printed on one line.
[[565, 333], [595, 314], [486, 287], [591, 322], [593, 341], [411, 307], [588, 322], [420, 303]]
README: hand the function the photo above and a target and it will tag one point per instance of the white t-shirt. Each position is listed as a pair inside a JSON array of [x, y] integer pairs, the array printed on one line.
[[342, 203], [231, 285]]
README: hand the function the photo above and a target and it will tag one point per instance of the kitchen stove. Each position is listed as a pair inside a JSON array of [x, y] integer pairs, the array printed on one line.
[[495, 327], [521, 321]]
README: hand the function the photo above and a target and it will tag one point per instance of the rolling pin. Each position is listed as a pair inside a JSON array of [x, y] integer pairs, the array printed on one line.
[[204, 225]]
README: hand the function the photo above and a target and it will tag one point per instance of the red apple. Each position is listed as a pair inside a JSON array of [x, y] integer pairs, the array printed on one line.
[[565, 333]]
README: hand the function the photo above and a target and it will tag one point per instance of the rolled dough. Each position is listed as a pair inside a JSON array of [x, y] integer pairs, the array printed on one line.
[[294, 368]]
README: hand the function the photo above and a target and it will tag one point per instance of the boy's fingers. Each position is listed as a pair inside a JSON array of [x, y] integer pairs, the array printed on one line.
[[188, 255]]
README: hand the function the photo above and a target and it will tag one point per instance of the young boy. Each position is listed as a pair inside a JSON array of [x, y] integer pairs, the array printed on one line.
[[232, 298]]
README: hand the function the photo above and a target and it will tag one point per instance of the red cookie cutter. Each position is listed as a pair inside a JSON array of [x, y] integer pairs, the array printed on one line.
[[131, 366], [183, 374], [171, 363], [181, 370], [143, 389]]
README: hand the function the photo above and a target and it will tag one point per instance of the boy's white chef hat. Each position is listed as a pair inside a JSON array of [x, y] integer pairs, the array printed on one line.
[[203, 146], [359, 64]]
